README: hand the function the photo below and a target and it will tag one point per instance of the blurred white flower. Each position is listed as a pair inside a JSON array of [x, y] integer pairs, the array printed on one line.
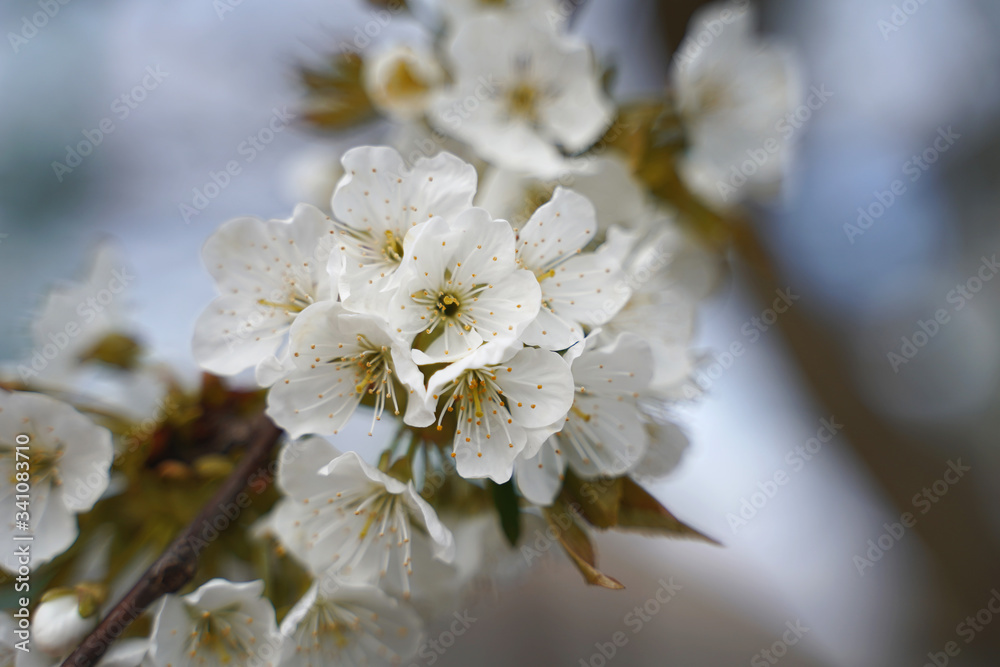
[[359, 522], [732, 95], [606, 181], [76, 317], [401, 80], [58, 625], [65, 461], [311, 174], [523, 94], [664, 272], [339, 357], [460, 286], [667, 444], [221, 623], [504, 399], [484, 563], [578, 289], [378, 207], [342, 623], [603, 434], [454, 12], [266, 274]]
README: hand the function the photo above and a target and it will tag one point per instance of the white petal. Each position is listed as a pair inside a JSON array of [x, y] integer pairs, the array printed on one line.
[[272, 369], [371, 627], [58, 625], [666, 449], [557, 230], [234, 333], [328, 381], [443, 542], [218, 593], [538, 387], [540, 477], [477, 457], [266, 273]]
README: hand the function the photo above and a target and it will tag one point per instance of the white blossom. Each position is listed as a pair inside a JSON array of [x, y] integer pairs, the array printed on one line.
[[67, 464], [266, 274], [578, 289], [58, 625], [358, 522], [667, 444], [454, 12], [523, 94], [402, 80], [461, 286], [378, 207], [732, 95], [343, 623], [605, 180], [667, 274], [221, 623], [502, 400], [76, 317], [604, 433], [338, 359]]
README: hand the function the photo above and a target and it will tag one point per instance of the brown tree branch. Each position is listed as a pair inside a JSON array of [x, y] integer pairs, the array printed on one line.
[[179, 563], [963, 554]]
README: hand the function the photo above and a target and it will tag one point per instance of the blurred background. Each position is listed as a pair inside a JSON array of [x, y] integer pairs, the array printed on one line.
[[822, 552]]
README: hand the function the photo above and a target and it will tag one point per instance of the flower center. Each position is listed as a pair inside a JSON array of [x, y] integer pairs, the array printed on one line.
[[522, 101], [477, 396], [325, 631], [404, 82], [448, 305], [42, 464], [295, 301], [224, 633], [372, 367], [393, 248]]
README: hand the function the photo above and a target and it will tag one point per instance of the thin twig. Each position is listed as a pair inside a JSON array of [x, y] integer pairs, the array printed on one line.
[[179, 563]]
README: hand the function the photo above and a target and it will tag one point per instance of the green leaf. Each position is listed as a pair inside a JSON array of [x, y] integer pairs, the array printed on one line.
[[505, 500], [578, 547], [641, 512]]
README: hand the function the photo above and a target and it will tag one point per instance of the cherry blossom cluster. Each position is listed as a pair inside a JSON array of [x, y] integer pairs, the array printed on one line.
[[496, 289]]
